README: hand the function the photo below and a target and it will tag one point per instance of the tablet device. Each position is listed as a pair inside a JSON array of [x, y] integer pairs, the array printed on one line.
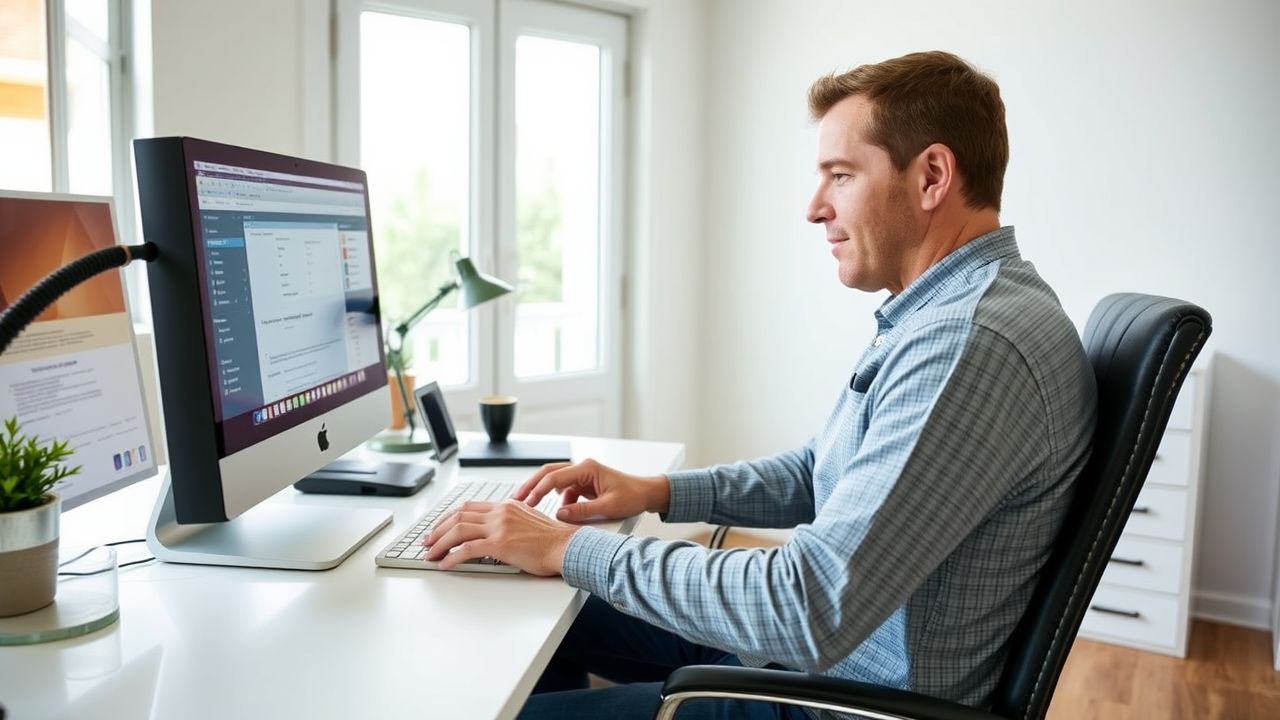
[[435, 414]]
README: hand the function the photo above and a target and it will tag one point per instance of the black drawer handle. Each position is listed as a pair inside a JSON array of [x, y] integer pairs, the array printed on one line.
[[1127, 561], [1141, 510], [1112, 611]]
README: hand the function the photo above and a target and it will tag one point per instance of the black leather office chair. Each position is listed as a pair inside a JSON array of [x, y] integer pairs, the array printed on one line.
[[1141, 348]]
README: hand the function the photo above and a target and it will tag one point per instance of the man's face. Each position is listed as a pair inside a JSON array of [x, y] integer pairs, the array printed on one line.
[[863, 202]]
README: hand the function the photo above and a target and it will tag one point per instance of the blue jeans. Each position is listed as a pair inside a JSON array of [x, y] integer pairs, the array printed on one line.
[[638, 657]]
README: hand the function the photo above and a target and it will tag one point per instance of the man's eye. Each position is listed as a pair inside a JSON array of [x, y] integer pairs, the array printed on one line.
[[840, 178]]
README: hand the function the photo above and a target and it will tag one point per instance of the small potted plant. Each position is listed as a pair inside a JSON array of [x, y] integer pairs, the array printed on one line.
[[29, 470]]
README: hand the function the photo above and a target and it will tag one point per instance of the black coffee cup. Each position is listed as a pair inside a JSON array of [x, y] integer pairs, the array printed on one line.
[[498, 413]]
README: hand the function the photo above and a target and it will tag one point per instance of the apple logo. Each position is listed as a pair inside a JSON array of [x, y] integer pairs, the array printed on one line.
[[322, 438]]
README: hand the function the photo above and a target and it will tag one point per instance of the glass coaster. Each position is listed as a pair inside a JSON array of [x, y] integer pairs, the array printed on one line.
[[87, 600]]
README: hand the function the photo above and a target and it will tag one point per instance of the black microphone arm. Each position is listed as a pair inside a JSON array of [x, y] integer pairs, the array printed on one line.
[[31, 303]]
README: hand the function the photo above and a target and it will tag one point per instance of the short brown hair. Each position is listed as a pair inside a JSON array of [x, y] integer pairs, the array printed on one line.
[[925, 98]]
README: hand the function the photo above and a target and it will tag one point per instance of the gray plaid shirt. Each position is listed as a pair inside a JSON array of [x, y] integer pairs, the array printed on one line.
[[923, 510]]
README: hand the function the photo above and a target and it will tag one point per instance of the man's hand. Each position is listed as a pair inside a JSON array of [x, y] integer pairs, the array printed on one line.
[[509, 531], [595, 491]]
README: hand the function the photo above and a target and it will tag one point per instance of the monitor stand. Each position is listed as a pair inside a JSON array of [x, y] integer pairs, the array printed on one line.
[[269, 535]]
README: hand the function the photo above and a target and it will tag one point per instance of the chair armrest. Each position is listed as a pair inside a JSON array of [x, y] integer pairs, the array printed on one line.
[[814, 691]]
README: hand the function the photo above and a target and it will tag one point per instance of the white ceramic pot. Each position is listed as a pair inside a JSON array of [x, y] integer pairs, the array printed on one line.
[[29, 558]]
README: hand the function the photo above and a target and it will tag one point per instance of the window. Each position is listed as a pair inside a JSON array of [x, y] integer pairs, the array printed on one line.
[[494, 129], [557, 147], [414, 145], [62, 97]]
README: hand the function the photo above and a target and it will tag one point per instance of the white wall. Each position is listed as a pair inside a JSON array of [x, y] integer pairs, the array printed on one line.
[[237, 71], [1144, 143], [666, 238]]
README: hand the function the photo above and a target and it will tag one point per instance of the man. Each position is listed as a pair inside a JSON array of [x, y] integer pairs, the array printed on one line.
[[923, 510]]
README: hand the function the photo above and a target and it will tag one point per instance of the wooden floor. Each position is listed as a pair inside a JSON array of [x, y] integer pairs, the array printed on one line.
[[1228, 673]]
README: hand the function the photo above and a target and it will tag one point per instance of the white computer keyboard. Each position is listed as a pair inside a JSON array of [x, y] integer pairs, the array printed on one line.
[[406, 551]]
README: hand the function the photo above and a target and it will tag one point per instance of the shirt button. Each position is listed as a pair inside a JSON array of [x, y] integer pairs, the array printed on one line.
[[878, 341]]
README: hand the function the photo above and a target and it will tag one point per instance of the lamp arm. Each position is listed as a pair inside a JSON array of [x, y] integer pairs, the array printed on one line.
[[403, 328]]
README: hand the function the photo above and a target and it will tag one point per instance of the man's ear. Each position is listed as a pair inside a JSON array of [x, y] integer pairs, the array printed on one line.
[[936, 175]]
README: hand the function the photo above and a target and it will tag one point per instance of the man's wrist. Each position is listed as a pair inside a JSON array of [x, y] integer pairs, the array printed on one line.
[[562, 548], [659, 495]]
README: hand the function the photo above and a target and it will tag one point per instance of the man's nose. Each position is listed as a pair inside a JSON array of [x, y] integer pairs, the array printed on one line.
[[820, 210]]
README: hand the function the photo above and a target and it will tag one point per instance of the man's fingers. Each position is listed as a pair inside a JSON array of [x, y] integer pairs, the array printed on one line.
[[453, 517], [559, 479], [459, 534], [466, 551], [569, 496], [522, 493], [580, 511]]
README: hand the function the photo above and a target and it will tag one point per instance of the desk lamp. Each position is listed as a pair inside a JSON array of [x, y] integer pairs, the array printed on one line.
[[476, 288]]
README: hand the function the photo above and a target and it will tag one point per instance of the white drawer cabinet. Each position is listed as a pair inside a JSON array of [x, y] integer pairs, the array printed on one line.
[[1144, 599]]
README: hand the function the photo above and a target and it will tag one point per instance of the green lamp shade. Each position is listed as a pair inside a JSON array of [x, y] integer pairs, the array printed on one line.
[[476, 287]]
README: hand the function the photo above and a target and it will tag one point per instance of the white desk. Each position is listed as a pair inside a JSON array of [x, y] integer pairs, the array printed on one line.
[[353, 642]]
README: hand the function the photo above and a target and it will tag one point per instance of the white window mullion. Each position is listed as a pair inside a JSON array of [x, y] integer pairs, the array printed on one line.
[[121, 93], [55, 24], [346, 81]]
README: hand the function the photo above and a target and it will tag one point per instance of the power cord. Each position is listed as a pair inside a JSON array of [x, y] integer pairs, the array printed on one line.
[[99, 572]]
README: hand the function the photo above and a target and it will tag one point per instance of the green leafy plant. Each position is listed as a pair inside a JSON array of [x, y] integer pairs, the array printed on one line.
[[29, 469]]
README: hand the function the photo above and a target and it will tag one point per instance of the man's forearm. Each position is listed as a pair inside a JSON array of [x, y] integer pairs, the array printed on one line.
[[774, 491]]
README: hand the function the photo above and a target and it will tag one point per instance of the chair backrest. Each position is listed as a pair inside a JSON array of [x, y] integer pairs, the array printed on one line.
[[1141, 348]]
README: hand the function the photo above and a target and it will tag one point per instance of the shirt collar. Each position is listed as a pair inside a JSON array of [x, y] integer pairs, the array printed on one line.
[[998, 244]]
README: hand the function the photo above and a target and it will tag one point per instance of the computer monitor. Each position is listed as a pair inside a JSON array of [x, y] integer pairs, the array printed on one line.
[[73, 375], [269, 347]]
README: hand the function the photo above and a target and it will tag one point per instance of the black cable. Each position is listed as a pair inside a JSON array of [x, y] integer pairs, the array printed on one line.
[[66, 573], [46, 292], [98, 572]]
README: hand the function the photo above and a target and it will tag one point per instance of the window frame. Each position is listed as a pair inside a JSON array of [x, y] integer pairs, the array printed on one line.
[[492, 212]]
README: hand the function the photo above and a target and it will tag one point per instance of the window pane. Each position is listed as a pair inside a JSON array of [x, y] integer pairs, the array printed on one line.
[[557, 206], [415, 140], [92, 15], [24, 122], [88, 118]]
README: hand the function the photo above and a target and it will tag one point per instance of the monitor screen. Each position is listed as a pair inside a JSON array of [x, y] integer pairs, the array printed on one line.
[[73, 373], [286, 268], [266, 314]]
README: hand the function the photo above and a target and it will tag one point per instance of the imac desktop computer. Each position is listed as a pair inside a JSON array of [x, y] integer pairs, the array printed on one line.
[[269, 346]]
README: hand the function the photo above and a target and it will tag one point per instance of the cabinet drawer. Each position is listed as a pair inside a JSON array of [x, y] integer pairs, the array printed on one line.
[[1160, 512], [1145, 565], [1172, 464], [1183, 407], [1133, 615]]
